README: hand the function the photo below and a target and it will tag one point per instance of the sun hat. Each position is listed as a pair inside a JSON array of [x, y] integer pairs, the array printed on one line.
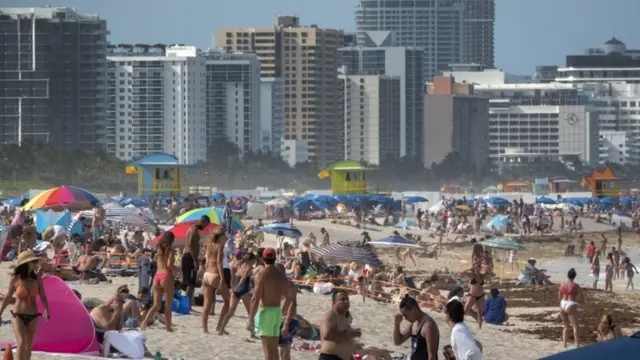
[[26, 256]]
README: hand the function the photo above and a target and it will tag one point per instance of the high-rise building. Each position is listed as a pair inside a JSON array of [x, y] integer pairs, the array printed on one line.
[[456, 121], [156, 102], [271, 115], [233, 99], [449, 31], [394, 61], [305, 59], [52, 87], [532, 122], [372, 117], [610, 77]]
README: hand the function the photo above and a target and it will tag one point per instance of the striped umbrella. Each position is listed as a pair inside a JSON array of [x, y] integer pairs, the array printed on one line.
[[215, 214], [504, 243], [116, 213], [353, 252], [63, 198]]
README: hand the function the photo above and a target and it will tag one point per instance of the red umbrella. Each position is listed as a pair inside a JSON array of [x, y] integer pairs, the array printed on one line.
[[180, 232]]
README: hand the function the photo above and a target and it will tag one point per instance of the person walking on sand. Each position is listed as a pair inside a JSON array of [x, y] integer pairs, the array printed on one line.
[[616, 262], [609, 273], [212, 277], [629, 268], [424, 332], [241, 289], [569, 293], [162, 281], [476, 294], [189, 262], [288, 329], [325, 237], [271, 285], [336, 332]]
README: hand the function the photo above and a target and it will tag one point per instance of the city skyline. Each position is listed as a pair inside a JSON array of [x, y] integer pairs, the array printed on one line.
[[526, 33]]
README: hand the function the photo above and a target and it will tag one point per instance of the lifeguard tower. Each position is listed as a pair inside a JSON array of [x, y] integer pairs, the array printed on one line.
[[347, 177], [158, 175], [602, 183]]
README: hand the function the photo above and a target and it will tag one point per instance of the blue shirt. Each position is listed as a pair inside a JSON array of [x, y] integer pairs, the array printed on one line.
[[494, 309]]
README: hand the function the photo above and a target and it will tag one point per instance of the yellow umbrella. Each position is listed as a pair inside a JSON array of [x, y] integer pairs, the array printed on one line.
[[463, 207], [342, 208]]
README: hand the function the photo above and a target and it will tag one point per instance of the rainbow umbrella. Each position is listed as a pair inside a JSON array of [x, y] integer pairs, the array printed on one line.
[[63, 198], [215, 214]]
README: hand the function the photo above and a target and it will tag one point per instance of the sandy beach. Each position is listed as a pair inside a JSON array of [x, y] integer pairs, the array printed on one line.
[[527, 335]]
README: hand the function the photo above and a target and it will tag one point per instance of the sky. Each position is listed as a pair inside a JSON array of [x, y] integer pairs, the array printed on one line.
[[527, 32]]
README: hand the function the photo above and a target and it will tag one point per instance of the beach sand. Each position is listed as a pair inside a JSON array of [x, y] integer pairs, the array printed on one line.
[[374, 318]]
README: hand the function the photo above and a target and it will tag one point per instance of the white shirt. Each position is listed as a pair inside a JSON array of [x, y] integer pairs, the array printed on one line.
[[463, 344]]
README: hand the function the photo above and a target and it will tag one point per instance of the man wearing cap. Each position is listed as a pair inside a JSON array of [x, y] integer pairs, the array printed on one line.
[[271, 286]]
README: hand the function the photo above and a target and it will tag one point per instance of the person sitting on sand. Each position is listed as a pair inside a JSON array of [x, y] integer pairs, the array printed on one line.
[[495, 308], [476, 300], [109, 315], [88, 264], [424, 332], [607, 330], [398, 277], [336, 332], [568, 294]]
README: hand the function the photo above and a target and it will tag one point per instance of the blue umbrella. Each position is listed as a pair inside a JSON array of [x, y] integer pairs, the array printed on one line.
[[287, 229], [545, 200], [620, 348], [393, 241], [13, 202], [405, 224], [609, 201], [497, 201], [499, 222], [415, 199], [133, 201]]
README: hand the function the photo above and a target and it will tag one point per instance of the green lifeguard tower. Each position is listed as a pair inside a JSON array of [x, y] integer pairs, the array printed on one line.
[[347, 177], [158, 175]]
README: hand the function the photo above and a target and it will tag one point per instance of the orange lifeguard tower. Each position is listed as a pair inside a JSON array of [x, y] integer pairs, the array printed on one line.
[[602, 183]]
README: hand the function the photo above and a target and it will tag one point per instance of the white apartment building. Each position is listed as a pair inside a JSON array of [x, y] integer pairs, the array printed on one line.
[[294, 151], [610, 78], [156, 103], [372, 108], [271, 115], [614, 146], [528, 122], [233, 99]]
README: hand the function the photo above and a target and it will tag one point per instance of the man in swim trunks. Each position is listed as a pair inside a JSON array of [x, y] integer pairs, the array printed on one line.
[[271, 285], [336, 332], [87, 264], [108, 316], [288, 329], [189, 261]]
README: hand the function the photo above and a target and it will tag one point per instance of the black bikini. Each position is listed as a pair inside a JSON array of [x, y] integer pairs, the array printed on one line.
[[26, 318], [474, 281]]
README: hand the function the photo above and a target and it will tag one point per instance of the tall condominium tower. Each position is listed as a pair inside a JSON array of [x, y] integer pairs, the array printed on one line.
[[305, 60], [449, 31], [156, 102], [52, 87]]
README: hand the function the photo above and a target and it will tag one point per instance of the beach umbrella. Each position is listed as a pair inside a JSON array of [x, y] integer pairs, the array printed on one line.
[[503, 243], [499, 222], [342, 208], [415, 199], [497, 201], [545, 200], [116, 213], [287, 229], [135, 202], [278, 203], [619, 348], [217, 196], [180, 232], [393, 241], [359, 253], [12, 202], [609, 201], [63, 198], [215, 214], [405, 224]]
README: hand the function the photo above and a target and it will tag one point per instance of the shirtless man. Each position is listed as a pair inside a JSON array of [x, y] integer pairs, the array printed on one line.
[[190, 257], [336, 332], [88, 262], [109, 315], [271, 285]]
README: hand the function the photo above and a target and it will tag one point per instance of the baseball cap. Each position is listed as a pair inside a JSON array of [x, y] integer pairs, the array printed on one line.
[[269, 253]]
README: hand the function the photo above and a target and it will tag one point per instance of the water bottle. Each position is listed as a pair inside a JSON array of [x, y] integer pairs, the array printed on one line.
[[157, 356]]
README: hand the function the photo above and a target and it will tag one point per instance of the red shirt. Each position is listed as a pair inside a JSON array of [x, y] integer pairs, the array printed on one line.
[[591, 250]]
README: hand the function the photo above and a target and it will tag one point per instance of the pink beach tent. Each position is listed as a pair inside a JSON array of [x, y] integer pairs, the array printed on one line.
[[70, 329]]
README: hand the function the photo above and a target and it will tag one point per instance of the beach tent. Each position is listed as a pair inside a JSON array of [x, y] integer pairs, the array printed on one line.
[[44, 219], [620, 348]]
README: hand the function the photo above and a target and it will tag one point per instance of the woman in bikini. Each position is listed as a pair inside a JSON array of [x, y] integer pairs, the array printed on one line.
[[25, 285], [212, 278], [476, 294], [242, 291], [607, 330], [568, 294], [163, 282], [609, 272]]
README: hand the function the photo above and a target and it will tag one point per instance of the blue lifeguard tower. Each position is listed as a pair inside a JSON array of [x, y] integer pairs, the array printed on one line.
[[158, 175]]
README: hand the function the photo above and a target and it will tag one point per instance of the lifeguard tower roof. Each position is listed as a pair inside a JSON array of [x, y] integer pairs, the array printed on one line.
[[159, 160]]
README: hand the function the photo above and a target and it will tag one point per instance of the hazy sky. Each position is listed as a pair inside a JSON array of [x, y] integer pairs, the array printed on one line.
[[528, 32]]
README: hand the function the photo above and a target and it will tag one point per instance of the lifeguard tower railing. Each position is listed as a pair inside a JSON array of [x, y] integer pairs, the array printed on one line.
[[359, 188]]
